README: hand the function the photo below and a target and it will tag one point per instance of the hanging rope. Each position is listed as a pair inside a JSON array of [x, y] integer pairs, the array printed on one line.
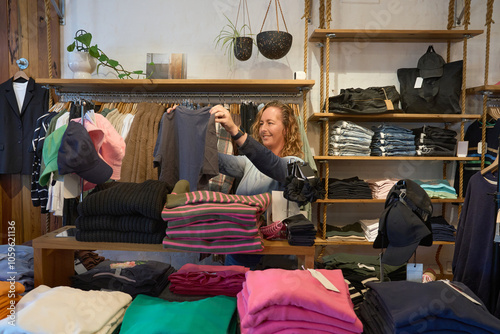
[[489, 21], [49, 47], [464, 82], [307, 18], [451, 18]]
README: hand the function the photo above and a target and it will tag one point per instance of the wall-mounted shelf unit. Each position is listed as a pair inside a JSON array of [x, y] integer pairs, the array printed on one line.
[[394, 117]]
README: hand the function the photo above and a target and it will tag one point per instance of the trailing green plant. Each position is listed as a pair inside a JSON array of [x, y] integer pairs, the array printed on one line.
[[82, 43], [226, 38]]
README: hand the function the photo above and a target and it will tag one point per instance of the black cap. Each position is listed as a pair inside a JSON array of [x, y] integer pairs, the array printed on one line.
[[77, 154], [431, 64], [405, 224]]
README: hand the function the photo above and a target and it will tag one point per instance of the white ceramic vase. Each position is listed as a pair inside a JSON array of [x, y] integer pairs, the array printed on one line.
[[82, 64]]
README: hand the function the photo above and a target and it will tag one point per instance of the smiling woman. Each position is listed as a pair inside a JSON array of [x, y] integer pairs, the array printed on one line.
[[262, 167]]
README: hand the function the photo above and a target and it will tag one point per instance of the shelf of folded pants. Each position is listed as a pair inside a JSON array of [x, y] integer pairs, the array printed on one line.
[[490, 90], [325, 242], [397, 36], [377, 200], [394, 117], [406, 157]]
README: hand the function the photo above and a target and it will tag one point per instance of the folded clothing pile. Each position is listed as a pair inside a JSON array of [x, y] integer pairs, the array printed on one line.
[[440, 188], [132, 277], [293, 301], [392, 140], [349, 232], [123, 212], [442, 307], [370, 228], [213, 222], [442, 230], [63, 309], [349, 139], [434, 141], [210, 280], [301, 231], [350, 188], [211, 315], [380, 187]]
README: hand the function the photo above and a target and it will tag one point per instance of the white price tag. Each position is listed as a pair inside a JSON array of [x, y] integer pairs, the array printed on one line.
[[418, 82], [414, 272], [323, 280]]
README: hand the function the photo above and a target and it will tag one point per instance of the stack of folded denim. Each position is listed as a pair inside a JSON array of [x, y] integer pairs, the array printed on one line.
[[434, 141], [347, 138], [391, 140], [350, 188], [301, 231], [442, 230]]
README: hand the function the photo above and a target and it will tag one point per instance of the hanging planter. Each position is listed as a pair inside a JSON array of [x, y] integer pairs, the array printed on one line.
[[243, 48], [237, 41], [274, 44]]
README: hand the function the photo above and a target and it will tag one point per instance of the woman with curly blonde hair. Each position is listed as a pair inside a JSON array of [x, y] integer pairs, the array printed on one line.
[[263, 165]]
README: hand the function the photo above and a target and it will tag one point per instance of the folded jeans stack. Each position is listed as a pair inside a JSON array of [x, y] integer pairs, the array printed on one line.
[[442, 230], [392, 140], [347, 138], [301, 231], [434, 141]]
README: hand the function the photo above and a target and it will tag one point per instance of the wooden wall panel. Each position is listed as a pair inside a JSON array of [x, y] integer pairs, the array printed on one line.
[[23, 33]]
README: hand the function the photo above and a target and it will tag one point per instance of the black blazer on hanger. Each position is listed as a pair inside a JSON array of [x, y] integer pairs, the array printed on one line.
[[16, 128]]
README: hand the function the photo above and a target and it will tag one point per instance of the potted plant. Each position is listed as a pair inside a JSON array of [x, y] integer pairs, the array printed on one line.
[[81, 50], [235, 41]]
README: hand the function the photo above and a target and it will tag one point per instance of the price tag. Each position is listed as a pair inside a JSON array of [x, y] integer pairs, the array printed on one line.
[[414, 272], [418, 82], [323, 280]]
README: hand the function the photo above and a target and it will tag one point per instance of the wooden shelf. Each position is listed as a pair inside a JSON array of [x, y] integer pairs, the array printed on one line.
[[323, 242], [390, 36], [54, 257], [394, 117], [372, 200], [176, 85], [373, 158], [490, 90]]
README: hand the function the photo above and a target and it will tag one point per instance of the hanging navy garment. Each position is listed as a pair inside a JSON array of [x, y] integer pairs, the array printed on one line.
[[17, 126], [187, 148], [473, 258]]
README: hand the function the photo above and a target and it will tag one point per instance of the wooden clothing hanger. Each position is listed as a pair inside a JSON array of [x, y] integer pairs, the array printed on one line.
[[491, 168], [20, 76]]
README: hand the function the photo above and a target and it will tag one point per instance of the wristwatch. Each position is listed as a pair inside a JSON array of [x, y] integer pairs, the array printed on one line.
[[238, 135]]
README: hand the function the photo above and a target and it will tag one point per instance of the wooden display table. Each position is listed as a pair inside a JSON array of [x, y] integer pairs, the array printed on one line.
[[54, 257]]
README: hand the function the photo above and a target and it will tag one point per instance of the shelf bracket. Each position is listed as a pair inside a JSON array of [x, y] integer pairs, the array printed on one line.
[[331, 36], [320, 45]]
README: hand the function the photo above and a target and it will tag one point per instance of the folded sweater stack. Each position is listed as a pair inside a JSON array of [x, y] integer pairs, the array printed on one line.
[[123, 212], [211, 280], [284, 301], [213, 222]]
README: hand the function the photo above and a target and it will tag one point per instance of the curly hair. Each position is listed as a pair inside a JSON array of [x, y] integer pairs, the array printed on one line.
[[293, 141]]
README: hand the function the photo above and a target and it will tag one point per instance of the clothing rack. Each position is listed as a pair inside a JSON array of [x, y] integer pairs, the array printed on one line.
[[202, 97]]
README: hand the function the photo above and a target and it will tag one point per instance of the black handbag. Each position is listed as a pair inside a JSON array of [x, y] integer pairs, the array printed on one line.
[[436, 95], [372, 100]]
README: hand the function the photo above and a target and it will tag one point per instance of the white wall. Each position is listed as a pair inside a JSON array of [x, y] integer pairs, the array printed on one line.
[[126, 30]]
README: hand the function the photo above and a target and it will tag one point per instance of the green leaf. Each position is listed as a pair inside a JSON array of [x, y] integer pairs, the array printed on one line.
[[103, 58], [94, 51], [71, 47], [122, 75], [138, 72], [113, 63], [85, 39]]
